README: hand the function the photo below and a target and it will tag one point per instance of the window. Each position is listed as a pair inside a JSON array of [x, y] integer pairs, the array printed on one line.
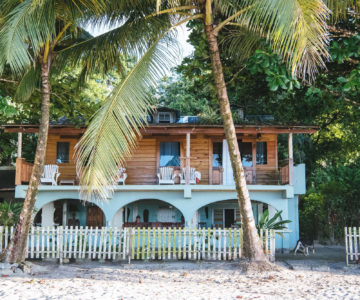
[[164, 117], [170, 154], [217, 154], [246, 153], [261, 153], [62, 153]]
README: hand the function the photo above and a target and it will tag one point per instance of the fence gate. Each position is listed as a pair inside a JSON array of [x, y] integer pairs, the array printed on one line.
[[352, 244], [137, 243]]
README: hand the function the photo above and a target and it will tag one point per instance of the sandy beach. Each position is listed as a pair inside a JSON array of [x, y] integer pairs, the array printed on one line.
[[176, 280]]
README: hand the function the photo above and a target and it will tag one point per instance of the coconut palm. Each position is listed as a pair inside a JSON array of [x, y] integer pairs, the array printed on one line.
[[31, 33], [296, 29], [36, 39]]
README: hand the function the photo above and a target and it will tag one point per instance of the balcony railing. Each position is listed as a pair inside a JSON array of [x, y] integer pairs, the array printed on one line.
[[23, 171], [262, 175]]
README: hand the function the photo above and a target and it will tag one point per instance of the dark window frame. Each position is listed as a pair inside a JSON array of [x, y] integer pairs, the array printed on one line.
[[217, 162], [67, 155], [246, 155], [178, 163], [261, 158], [164, 113]]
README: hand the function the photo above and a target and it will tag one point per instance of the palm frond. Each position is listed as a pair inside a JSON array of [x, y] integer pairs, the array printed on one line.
[[233, 39], [28, 84], [28, 23], [340, 8], [128, 39], [114, 131], [296, 29]]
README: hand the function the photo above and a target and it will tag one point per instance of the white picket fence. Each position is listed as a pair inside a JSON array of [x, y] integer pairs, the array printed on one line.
[[137, 243], [352, 244]]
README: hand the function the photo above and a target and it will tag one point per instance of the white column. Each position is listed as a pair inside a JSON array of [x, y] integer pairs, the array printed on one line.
[[195, 220], [260, 210], [187, 162], [64, 215], [47, 215], [291, 160], [19, 145], [118, 219], [135, 213]]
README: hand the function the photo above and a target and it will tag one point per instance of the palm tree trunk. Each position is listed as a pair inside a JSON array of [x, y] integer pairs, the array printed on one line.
[[252, 247], [17, 247]]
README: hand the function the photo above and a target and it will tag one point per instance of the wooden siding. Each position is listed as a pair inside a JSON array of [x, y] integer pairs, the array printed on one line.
[[144, 164], [141, 168], [199, 151], [67, 170]]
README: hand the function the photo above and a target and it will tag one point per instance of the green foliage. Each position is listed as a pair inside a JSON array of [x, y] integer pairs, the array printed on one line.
[[9, 213], [262, 85], [333, 202], [345, 49], [276, 73], [265, 222], [77, 106]]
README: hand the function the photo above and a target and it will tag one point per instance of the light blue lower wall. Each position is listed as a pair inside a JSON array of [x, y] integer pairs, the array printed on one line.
[[186, 202]]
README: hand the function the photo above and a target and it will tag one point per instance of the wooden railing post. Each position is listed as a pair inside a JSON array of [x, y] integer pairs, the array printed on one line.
[[19, 162], [19, 145], [291, 160], [187, 161]]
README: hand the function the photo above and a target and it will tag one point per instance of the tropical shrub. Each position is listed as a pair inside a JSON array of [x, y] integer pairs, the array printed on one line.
[[265, 222], [9, 213]]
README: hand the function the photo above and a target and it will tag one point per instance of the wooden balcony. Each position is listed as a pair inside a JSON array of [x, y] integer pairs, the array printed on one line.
[[259, 176], [23, 171]]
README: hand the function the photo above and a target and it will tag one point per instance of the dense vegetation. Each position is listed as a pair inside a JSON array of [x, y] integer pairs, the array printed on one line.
[[67, 100], [262, 85]]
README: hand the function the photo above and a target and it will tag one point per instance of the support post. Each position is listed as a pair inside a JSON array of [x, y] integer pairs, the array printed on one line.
[[291, 160], [187, 162], [19, 145], [64, 215], [253, 169]]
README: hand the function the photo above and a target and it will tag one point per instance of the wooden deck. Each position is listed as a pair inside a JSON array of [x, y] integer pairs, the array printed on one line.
[[144, 165]]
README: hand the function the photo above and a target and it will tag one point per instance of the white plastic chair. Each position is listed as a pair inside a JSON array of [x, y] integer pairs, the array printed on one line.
[[193, 176], [122, 176], [166, 175], [50, 174]]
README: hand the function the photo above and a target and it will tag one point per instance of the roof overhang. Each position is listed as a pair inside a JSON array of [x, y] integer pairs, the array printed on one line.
[[173, 129]]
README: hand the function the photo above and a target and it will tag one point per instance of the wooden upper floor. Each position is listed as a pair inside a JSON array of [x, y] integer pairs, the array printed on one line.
[[180, 146]]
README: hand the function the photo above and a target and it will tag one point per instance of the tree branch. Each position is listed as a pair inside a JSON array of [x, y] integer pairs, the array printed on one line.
[[344, 98], [8, 81]]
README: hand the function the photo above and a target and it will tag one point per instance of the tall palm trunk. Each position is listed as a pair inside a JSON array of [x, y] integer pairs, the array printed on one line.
[[17, 248], [252, 248]]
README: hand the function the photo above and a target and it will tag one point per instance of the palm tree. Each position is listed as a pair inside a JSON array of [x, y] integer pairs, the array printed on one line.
[[36, 39], [295, 29], [31, 34]]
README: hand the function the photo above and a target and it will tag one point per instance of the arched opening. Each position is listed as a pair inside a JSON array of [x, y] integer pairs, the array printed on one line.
[[152, 213], [70, 212], [226, 214]]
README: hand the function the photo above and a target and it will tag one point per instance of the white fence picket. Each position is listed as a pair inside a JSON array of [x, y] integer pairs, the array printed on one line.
[[148, 243], [352, 244]]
